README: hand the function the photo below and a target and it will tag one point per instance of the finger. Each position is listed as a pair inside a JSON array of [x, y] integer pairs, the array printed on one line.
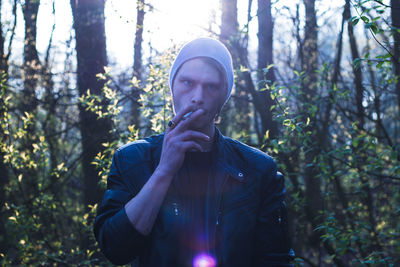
[[175, 139], [191, 135], [191, 145], [184, 124], [178, 117]]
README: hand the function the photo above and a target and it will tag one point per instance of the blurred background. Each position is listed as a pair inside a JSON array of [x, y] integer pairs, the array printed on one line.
[[316, 86]]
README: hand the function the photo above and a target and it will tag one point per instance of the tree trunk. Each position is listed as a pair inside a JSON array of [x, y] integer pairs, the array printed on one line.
[[356, 70], [309, 90], [314, 199], [244, 85], [91, 57], [31, 59], [50, 124], [29, 103], [229, 23], [231, 38], [137, 62], [4, 176], [266, 58], [395, 12]]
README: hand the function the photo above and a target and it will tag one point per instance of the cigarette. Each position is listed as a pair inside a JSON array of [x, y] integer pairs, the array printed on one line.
[[187, 115]]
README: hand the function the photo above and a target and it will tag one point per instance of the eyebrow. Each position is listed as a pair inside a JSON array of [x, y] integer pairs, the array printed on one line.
[[213, 84], [183, 77], [188, 78]]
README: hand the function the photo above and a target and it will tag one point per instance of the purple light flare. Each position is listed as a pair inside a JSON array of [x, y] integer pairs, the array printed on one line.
[[204, 260]]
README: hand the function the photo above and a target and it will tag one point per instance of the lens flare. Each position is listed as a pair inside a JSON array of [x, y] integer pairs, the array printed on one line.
[[204, 260]]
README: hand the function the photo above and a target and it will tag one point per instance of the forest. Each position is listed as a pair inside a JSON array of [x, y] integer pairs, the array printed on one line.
[[317, 87]]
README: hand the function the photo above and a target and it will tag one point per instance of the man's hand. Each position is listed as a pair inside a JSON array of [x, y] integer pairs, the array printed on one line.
[[178, 139], [142, 209]]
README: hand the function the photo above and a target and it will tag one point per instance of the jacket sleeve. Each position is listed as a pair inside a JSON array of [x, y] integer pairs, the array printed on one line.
[[119, 241], [273, 244]]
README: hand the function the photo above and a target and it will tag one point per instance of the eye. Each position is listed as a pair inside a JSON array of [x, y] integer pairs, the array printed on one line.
[[187, 82], [211, 86]]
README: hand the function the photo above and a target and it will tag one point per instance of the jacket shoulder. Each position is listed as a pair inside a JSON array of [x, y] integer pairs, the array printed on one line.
[[254, 158], [140, 149]]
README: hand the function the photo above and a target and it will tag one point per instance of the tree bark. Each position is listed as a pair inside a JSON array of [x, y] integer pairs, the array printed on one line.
[[29, 102], [395, 13], [309, 90], [266, 58], [137, 61], [245, 84], [314, 199], [31, 59], [356, 70], [88, 18], [230, 36], [229, 22]]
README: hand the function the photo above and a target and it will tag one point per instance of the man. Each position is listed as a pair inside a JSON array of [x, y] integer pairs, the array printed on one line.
[[192, 197]]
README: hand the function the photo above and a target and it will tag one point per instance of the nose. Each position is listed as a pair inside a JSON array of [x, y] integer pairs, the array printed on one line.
[[198, 95]]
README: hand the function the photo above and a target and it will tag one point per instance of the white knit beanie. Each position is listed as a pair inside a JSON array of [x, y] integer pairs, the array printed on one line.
[[205, 47]]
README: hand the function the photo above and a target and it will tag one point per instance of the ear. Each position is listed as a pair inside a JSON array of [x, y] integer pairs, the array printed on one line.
[[217, 119]]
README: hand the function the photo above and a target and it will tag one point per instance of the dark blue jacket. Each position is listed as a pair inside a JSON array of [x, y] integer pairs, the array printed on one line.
[[249, 211]]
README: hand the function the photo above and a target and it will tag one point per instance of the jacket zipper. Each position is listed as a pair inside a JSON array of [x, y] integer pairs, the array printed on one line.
[[279, 216], [219, 204], [175, 206]]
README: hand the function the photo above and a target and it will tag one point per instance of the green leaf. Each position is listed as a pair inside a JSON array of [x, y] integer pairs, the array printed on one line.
[[376, 18], [355, 21], [387, 56], [352, 18], [379, 65], [365, 19], [355, 142], [287, 122], [372, 26]]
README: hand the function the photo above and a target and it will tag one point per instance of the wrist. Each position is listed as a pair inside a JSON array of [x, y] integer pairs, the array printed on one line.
[[163, 174]]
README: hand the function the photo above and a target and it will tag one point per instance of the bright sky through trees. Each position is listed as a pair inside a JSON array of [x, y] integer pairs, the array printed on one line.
[[177, 20], [172, 20]]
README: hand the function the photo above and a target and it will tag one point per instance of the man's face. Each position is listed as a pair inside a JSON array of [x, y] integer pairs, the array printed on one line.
[[199, 84]]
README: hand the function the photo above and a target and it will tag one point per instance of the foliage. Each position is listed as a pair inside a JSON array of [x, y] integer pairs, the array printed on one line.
[[49, 225], [45, 222], [359, 172], [156, 97]]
